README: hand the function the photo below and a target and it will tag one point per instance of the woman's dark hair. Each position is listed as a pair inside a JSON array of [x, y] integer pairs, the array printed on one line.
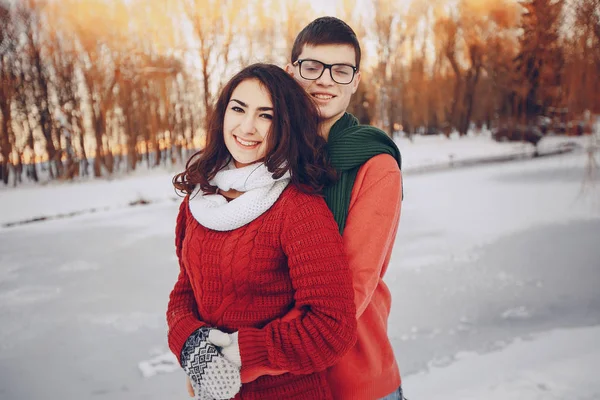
[[293, 143]]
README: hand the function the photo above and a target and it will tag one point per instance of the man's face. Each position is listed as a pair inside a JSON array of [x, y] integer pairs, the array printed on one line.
[[332, 98]]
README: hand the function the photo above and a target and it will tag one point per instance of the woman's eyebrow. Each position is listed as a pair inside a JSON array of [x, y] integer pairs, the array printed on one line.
[[246, 105], [240, 102]]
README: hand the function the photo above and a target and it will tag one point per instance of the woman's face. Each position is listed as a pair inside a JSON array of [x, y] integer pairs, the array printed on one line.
[[247, 122]]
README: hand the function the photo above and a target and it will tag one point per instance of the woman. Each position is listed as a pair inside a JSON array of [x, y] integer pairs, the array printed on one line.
[[264, 295]]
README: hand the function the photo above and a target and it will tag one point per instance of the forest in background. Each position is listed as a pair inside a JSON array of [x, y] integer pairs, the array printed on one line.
[[93, 87]]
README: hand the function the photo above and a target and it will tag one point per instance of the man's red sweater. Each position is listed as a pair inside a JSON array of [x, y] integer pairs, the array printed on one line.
[[247, 279], [369, 371]]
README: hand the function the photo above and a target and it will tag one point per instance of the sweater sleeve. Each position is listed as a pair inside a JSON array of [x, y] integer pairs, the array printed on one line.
[[372, 225], [325, 328], [182, 314]]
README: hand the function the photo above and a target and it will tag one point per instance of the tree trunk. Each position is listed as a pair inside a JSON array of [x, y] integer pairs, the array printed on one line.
[[192, 131], [32, 167], [99, 129], [5, 115], [5, 146], [471, 84], [207, 98], [4, 171], [18, 169], [132, 155], [84, 160], [453, 117], [391, 113], [43, 105], [46, 125]]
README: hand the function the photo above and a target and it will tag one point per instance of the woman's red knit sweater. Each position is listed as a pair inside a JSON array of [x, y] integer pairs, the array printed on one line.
[[247, 279]]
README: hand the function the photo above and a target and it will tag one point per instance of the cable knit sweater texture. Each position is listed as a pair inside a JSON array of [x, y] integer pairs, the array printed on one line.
[[247, 279], [369, 371]]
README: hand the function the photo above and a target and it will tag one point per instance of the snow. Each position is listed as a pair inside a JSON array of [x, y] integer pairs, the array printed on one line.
[[552, 366], [493, 277], [162, 363], [516, 313], [57, 199], [63, 198], [428, 152]]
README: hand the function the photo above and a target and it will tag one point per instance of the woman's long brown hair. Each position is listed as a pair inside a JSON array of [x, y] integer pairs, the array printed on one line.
[[293, 144]]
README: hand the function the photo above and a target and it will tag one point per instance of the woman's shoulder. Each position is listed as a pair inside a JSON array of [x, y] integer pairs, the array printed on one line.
[[294, 202], [306, 210]]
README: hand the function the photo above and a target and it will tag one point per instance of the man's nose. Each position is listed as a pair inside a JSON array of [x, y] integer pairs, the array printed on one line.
[[326, 79]]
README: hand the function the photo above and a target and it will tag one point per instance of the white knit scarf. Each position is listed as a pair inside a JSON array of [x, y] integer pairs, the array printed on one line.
[[260, 192]]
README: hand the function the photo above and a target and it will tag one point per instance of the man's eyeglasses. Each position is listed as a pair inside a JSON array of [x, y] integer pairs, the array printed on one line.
[[313, 70]]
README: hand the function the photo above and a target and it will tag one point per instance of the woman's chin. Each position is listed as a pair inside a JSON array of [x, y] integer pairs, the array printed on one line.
[[243, 163]]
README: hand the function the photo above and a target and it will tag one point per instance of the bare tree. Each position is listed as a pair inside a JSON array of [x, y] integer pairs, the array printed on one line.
[[258, 41], [7, 87], [540, 61], [33, 15], [582, 47], [485, 32], [390, 32], [213, 23], [447, 37]]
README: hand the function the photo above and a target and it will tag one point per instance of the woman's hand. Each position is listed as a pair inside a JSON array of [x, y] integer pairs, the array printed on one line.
[[190, 389], [228, 346], [212, 375]]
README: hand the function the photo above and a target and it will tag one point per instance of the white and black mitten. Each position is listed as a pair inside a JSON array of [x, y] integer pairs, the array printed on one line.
[[200, 393], [228, 345], [208, 369]]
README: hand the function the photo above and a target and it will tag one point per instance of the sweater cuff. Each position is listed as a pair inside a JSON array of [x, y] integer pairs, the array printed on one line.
[[180, 334], [253, 348]]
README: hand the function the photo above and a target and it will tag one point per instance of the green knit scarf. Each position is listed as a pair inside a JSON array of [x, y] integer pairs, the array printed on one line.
[[349, 146]]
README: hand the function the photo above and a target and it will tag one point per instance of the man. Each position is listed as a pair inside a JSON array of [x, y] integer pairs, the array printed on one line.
[[365, 202]]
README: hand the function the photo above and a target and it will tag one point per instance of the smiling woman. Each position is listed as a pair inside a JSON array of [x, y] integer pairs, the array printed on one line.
[[256, 310], [248, 122], [248, 126]]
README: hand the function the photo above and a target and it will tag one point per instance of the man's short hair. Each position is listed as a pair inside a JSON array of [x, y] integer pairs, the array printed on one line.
[[323, 31]]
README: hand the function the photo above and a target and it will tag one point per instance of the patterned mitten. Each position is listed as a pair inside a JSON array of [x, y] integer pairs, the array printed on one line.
[[228, 345], [208, 369], [200, 393]]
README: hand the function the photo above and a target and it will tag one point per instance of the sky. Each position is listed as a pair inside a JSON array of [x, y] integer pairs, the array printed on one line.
[[328, 6]]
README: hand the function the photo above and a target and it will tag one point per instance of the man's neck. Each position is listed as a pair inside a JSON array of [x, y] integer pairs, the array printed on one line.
[[325, 126]]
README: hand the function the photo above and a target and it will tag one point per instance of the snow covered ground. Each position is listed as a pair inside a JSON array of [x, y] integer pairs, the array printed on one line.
[[64, 198], [551, 366], [493, 268], [494, 279]]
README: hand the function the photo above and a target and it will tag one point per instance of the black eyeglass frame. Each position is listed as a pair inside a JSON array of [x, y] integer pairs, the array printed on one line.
[[325, 66]]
